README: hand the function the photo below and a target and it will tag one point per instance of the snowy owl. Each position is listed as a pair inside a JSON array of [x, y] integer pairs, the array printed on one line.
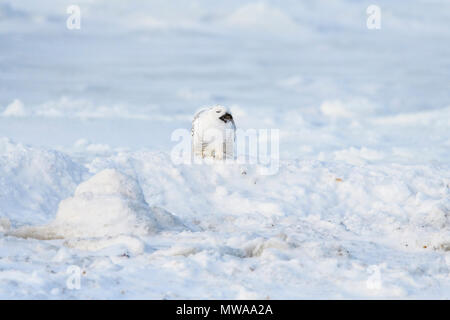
[[213, 133]]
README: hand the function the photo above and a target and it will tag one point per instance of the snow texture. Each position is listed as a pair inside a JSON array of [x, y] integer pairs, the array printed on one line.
[[109, 204], [316, 229]]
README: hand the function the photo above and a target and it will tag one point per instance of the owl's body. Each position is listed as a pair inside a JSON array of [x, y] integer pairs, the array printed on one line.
[[213, 133]]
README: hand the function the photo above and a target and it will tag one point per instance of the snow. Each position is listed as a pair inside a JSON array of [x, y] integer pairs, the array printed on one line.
[[33, 180], [359, 206], [316, 229], [107, 205], [15, 109], [261, 17]]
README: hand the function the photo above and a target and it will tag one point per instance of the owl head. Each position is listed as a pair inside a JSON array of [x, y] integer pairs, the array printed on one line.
[[221, 113]]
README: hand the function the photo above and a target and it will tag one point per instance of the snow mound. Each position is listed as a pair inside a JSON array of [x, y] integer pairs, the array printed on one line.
[[110, 204], [33, 181], [408, 205]]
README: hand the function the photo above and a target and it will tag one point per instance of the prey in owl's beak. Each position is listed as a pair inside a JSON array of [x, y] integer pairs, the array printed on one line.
[[226, 117]]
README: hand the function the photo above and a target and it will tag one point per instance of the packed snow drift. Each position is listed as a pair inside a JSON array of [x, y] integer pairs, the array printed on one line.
[[316, 229], [107, 205]]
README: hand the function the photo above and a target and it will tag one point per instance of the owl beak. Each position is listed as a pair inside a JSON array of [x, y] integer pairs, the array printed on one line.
[[226, 117]]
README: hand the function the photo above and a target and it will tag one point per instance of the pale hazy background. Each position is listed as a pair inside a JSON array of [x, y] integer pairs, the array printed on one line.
[[137, 70]]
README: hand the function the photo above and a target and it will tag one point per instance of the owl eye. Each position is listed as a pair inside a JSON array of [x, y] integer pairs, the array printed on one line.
[[218, 111]]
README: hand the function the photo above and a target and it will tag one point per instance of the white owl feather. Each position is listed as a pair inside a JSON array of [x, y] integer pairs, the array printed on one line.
[[213, 133]]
